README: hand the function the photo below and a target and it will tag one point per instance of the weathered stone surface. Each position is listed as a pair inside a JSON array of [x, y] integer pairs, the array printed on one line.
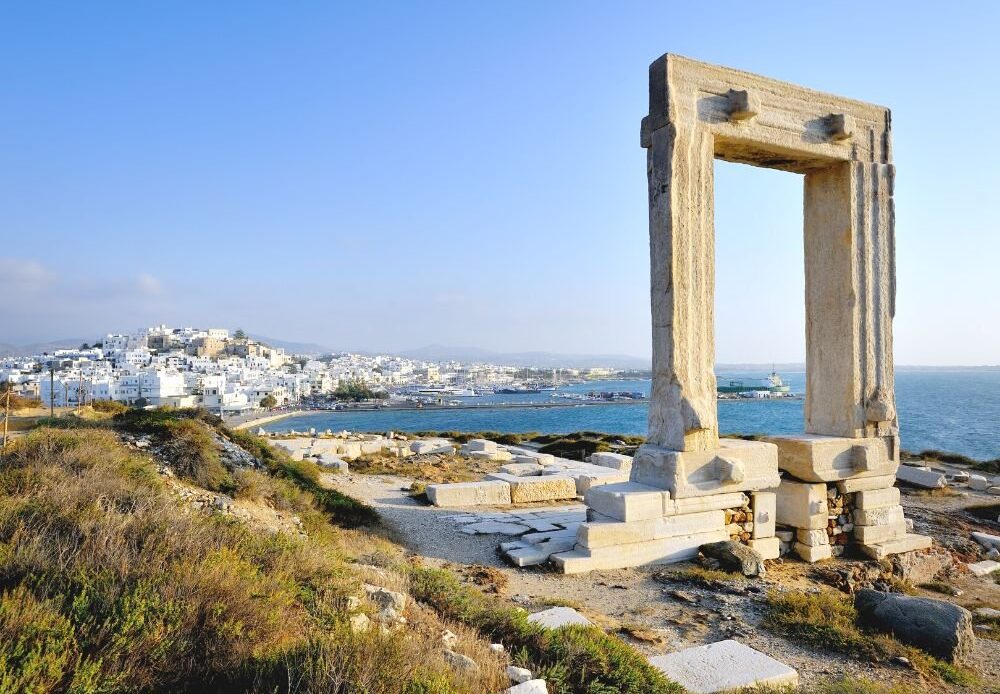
[[861, 484], [920, 477], [983, 568], [615, 461], [979, 483], [521, 469], [462, 663], [696, 504], [815, 458], [612, 532], [941, 628], [767, 547], [667, 550], [733, 556], [986, 540], [736, 465], [469, 493], [482, 445], [765, 514], [876, 498], [518, 674], [812, 538], [556, 617], [802, 505], [384, 598], [529, 687], [537, 488], [490, 527], [874, 534], [724, 666], [907, 543], [888, 515], [628, 501], [812, 553]]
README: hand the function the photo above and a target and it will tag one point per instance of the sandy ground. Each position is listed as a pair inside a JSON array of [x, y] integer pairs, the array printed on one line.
[[632, 597]]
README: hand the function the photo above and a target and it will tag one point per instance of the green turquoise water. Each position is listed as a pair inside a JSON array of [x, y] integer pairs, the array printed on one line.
[[957, 411]]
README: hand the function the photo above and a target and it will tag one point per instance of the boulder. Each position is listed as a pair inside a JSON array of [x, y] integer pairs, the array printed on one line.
[[529, 687], [556, 617], [942, 629], [733, 556], [384, 598], [518, 674], [462, 663]]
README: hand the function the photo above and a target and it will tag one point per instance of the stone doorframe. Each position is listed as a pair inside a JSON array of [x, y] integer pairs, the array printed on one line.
[[700, 112]]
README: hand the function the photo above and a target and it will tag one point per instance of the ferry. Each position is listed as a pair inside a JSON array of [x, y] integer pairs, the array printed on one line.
[[771, 384]]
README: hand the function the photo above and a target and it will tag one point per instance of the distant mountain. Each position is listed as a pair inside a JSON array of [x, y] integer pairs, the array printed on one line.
[[545, 360], [308, 348], [9, 350]]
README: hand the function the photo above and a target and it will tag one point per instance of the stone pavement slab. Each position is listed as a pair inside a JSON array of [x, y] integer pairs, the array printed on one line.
[[723, 666]]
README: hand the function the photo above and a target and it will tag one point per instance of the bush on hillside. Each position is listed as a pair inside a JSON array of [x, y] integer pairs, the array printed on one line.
[[109, 406], [107, 584]]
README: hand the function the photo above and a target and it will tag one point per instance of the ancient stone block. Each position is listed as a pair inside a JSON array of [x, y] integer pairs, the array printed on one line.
[[521, 469], [607, 533], [801, 505], [874, 534], [628, 501], [878, 516], [876, 498], [815, 458], [921, 477], [908, 543], [696, 504], [812, 538], [616, 461], [724, 666], [736, 465], [765, 513], [537, 488], [663, 551], [469, 493], [861, 484], [812, 554], [556, 617], [767, 547]]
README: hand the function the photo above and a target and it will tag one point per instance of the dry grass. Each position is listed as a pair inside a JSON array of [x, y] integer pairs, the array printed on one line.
[[428, 469], [110, 585], [828, 620]]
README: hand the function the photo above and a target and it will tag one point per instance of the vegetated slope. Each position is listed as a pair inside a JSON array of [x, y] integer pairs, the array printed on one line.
[[109, 582]]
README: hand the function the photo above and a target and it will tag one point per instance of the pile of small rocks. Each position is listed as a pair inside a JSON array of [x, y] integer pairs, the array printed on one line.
[[840, 511], [739, 523]]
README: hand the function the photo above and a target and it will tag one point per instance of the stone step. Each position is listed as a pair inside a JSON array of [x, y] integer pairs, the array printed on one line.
[[664, 551], [907, 543], [628, 501], [610, 532], [532, 555]]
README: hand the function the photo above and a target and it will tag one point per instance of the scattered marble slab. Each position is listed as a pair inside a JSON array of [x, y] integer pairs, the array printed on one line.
[[723, 666], [491, 527], [556, 617], [983, 568], [529, 687], [986, 540], [921, 477]]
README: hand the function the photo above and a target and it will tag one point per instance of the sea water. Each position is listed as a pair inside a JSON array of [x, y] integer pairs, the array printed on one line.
[[950, 410]]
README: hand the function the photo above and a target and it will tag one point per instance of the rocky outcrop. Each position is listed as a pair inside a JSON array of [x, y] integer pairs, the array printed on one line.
[[942, 629], [733, 556]]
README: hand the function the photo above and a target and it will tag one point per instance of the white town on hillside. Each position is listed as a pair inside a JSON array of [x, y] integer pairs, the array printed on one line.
[[232, 374]]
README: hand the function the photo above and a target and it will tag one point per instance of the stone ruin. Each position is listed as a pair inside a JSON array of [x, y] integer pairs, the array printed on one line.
[[832, 486]]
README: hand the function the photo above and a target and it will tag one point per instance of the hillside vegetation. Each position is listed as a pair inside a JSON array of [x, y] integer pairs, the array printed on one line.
[[111, 582]]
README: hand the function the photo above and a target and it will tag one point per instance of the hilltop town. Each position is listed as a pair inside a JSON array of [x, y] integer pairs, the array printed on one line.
[[229, 373]]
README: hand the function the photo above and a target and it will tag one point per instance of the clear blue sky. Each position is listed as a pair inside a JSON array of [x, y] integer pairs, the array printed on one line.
[[383, 176]]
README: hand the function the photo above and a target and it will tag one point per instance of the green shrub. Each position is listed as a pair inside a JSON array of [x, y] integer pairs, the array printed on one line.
[[194, 453], [109, 406]]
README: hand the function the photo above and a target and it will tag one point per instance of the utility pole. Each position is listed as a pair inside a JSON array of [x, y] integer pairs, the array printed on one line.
[[6, 416]]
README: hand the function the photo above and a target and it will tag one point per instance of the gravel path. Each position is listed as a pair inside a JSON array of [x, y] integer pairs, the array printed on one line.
[[632, 597]]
